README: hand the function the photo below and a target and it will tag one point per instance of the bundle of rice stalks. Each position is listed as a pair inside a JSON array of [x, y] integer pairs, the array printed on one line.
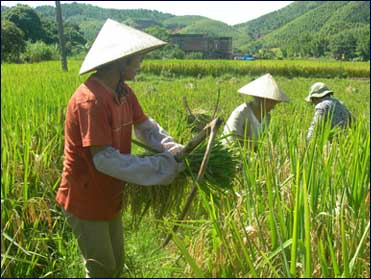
[[162, 200], [197, 119], [221, 167], [159, 199]]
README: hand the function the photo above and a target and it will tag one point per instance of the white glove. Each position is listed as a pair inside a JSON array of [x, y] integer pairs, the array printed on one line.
[[173, 147], [151, 133], [159, 169]]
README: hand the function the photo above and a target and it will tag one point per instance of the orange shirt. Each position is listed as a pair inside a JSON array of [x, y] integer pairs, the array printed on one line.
[[95, 117]]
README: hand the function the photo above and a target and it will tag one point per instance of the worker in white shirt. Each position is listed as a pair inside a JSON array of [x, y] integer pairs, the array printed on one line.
[[248, 120]]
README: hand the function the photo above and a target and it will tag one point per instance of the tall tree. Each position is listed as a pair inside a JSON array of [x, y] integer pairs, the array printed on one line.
[[26, 19], [12, 41], [74, 39], [343, 45], [363, 44], [61, 36]]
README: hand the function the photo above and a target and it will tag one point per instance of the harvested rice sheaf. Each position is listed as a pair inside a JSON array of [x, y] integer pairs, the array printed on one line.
[[221, 166], [198, 119], [218, 177]]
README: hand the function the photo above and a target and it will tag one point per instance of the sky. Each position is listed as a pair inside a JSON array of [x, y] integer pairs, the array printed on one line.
[[230, 12]]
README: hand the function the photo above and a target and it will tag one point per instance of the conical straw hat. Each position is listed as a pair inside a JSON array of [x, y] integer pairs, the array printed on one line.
[[115, 41], [264, 87]]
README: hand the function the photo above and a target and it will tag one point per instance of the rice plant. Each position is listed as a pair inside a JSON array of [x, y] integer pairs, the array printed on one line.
[[291, 208]]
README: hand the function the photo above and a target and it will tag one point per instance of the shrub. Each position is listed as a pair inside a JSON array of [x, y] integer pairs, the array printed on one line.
[[39, 51], [194, 55], [12, 41]]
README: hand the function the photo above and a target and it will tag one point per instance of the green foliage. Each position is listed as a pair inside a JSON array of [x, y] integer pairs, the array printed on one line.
[[305, 37], [78, 13], [178, 22], [75, 41], [265, 53], [268, 23], [90, 29], [319, 45], [39, 51], [74, 38], [91, 18], [26, 19], [295, 209], [221, 167], [288, 68], [352, 14], [291, 33], [213, 28], [36, 30], [194, 55], [50, 30], [142, 23], [303, 29], [12, 42], [363, 45], [169, 51], [176, 53], [159, 32], [343, 45]]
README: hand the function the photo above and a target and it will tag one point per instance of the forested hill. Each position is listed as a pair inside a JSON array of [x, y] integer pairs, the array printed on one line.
[[330, 25], [268, 23], [301, 29]]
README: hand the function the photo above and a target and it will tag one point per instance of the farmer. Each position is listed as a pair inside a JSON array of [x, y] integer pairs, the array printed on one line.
[[98, 129], [248, 120], [325, 107]]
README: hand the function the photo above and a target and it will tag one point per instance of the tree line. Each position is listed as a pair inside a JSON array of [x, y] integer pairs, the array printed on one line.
[[27, 37], [30, 35]]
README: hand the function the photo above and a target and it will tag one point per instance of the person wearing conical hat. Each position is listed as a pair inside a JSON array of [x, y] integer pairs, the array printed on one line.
[[327, 108], [248, 120], [97, 160]]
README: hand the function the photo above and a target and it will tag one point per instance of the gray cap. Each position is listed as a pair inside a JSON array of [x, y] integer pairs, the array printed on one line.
[[318, 90]]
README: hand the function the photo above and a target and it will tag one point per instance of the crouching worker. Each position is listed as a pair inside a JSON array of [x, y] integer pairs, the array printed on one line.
[[327, 108], [248, 120], [98, 129]]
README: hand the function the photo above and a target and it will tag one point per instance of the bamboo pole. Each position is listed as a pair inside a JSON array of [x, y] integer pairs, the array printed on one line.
[[210, 129], [215, 124]]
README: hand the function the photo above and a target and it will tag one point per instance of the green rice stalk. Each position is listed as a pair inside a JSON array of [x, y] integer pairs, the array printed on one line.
[[295, 225], [167, 199], [351, 264], [333, 257], [221, 167], [344, 247], [322, 258], [308, 258]]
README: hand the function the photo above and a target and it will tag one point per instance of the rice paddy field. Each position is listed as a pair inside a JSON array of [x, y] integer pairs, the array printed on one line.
[[292, 208]]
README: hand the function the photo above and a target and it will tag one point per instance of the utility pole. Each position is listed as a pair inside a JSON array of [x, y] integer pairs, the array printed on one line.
[[58, 12]]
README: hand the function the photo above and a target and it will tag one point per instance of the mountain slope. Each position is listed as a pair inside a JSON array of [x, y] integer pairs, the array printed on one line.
[[356, 13], [308, 27], [212, 28], [178, 22], [265, 24], [91, 18], [325, 20]]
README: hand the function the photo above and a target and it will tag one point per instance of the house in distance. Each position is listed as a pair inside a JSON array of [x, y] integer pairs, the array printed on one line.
[[210, 47]]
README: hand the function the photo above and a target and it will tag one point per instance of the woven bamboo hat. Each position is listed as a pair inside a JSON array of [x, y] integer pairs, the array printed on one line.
[[318, 90], [115, 41], [264, 87]]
